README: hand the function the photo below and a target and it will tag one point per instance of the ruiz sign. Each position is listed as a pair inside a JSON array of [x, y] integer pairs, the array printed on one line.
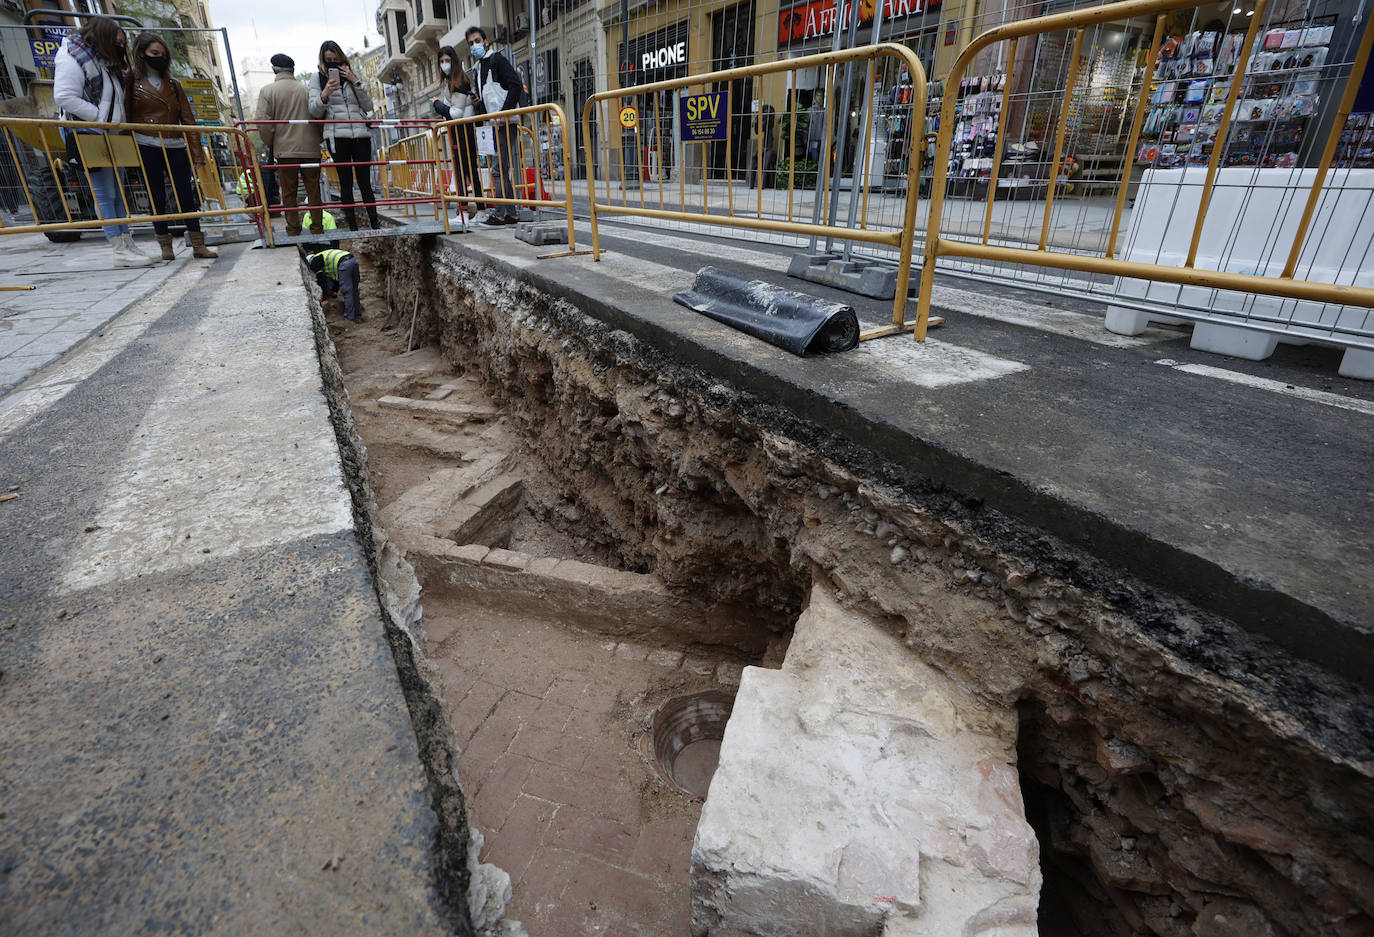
[[818, 17]]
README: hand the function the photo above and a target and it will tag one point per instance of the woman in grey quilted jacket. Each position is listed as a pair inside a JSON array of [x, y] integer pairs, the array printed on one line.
[[336, 93]]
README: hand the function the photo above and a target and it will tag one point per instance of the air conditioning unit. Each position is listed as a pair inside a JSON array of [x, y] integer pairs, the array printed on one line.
[[522, 22]]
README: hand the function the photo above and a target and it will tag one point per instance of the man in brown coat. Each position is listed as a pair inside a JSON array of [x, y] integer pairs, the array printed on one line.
[[287, 99]]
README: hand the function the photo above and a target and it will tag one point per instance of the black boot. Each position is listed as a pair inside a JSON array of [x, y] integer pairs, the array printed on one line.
[[350, 219], [372, 218]]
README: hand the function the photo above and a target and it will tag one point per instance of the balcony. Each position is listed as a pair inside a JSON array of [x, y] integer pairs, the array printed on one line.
[[431, 20]]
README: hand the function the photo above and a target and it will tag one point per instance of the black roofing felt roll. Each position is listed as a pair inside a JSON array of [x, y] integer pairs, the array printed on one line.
[[800, 323]]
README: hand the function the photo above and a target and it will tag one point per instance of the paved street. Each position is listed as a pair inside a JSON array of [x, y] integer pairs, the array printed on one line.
[[77, 292]]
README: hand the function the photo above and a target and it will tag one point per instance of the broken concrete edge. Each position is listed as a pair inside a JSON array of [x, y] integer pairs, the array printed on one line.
[[1155, 582], [473, 895], [625, 603]]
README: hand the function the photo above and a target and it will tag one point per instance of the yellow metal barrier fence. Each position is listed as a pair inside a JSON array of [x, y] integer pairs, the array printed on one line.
[[457, 149], [52, 188], [1284, 285], [705, 119], [410, 177]]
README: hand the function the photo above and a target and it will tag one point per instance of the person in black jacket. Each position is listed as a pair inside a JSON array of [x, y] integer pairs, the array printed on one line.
[[498, 89]]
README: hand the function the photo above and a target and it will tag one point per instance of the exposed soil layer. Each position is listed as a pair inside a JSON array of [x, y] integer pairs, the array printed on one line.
[[1185, 776]]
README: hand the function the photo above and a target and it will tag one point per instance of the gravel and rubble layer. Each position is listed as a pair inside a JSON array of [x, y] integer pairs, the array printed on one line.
[[1195, 773]]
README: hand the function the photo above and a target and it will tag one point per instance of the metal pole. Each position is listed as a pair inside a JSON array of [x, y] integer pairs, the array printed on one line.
[[624, 71], [844, 131], [229, 57], [816, 202], [861, 158]]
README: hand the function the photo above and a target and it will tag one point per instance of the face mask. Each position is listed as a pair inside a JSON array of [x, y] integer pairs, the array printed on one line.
[[155, 62], [445, 67], [478, 50]]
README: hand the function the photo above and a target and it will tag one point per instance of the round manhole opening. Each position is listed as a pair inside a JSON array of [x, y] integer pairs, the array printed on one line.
[[687, 733]]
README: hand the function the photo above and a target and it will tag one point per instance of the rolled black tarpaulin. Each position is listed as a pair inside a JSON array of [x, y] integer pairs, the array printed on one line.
[[800, 323]]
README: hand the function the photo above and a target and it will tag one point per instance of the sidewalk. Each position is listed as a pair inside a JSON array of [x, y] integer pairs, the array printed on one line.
[[205, 730]]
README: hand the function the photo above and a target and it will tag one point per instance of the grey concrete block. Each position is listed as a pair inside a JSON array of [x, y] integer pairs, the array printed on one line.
[[542, 233], [866, 278]]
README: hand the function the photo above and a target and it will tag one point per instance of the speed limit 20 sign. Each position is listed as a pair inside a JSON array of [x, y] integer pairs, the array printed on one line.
[[629, 117]]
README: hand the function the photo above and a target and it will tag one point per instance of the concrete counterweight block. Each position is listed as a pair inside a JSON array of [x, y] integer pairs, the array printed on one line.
[[851, 800]]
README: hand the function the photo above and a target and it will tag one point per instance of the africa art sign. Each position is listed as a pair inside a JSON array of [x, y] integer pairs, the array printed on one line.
[[818, 17]]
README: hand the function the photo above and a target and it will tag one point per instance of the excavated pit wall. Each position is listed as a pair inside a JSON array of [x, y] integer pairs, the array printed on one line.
[[1184, 776]]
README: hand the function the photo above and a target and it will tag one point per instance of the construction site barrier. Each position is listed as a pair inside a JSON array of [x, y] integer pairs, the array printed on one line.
[[59, 196], [704, 120], [533, 163], [400, 185], [1105, 262]]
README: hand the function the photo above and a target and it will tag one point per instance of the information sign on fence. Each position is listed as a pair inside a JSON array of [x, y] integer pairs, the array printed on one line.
[[704, 117], [45, 48], [201, 91]]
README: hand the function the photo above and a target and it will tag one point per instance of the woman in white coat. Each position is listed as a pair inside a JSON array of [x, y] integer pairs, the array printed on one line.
[[88, 85], [458, 100]]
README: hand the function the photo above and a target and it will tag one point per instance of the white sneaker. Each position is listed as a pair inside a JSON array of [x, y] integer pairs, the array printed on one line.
[[133, 246], [481, 217], [126, 255]]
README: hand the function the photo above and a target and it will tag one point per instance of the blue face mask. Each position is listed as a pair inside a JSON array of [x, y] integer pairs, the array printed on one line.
[[478, 50]]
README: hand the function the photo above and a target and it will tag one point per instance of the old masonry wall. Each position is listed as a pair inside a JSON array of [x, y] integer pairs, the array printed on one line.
[[1182, 775]]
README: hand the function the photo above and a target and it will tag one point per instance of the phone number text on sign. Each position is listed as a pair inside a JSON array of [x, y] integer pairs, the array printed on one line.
[[704, 117]]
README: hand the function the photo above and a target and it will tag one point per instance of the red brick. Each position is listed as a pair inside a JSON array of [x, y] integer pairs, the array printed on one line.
[[602, 758], [521, 836], [440, 629], [458, 679], [577, 830], [563, 786], [472, 710], [631, 898], [599, 698], [519, 673], [500, 787], [545, 879], [568, 689], [664, 850], [553, 747], [552, 716], [586, 724]]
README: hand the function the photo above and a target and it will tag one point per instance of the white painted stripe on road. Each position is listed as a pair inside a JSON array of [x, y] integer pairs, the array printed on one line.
[[1277, 387], [931, 363], [1065, 322], [52, 384], [236, 453]]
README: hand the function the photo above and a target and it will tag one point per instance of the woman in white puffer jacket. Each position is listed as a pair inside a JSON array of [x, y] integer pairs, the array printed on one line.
[[345, 98], [457, 101]]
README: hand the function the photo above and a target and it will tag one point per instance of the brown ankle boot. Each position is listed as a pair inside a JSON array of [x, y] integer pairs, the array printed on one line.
[[198, 248], [164, 241]]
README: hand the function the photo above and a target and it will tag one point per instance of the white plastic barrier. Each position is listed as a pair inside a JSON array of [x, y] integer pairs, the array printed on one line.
[[1250, 226]]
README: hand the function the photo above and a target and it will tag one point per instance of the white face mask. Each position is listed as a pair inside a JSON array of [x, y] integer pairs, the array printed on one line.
[[445, 67], [478, 50]]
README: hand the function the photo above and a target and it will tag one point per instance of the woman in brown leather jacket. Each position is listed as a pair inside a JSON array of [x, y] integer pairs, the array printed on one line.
[[153, 96]]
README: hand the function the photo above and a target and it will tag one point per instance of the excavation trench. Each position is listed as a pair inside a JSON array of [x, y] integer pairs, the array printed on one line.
[[603, 540]]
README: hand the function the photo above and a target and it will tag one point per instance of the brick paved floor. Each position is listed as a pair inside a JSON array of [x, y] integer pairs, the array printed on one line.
[[595, 843]]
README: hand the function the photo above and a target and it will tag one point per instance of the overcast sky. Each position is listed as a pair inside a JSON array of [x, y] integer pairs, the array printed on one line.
[[296, 27]]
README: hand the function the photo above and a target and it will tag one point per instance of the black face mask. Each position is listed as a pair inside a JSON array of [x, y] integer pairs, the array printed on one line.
[[156, 63]]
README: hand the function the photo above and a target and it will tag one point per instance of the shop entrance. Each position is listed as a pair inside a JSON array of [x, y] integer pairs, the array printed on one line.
[[732, 46]]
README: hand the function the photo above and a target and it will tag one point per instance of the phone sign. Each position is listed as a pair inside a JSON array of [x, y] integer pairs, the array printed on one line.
[[704, 117]]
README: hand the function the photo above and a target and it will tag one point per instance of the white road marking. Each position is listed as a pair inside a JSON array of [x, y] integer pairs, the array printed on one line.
[[217, 467], [931, 363], [52, 384], [1278, 387]]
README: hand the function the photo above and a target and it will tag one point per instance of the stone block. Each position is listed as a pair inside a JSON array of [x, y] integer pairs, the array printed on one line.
[[473, 553], [881, 815], [507, 560], [663, 657], [542, 233], [627, 651], [1233, 340]]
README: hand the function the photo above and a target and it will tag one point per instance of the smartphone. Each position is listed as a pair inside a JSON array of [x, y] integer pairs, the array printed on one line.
[[334, 75]]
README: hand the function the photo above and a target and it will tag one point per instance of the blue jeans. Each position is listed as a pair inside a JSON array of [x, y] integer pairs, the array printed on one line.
[[109, 199]]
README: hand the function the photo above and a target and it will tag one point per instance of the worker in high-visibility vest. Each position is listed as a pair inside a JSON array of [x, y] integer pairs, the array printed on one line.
[[339, 267], [329, 223]]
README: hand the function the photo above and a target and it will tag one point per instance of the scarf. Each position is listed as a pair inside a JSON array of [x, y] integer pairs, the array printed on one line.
[[92, 69]]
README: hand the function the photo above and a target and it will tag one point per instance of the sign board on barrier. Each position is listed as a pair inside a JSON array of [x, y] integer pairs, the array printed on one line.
[[45, 48], [704, 117], [201, 91], [629, 117]]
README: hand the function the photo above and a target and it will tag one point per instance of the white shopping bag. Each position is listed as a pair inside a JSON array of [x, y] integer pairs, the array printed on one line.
[[486, 142]]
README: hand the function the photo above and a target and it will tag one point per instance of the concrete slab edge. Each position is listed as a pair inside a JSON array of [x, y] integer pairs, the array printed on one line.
[[990, 502], [459, 880]]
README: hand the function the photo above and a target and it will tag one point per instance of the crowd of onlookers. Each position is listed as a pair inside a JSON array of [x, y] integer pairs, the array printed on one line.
[[99, 79]]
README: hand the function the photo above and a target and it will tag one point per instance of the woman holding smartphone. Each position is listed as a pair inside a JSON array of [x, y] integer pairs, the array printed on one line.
[[459, 100], [338, 94]]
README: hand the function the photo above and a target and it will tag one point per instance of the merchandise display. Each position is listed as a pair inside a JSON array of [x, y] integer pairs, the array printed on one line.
[[1279, 93]]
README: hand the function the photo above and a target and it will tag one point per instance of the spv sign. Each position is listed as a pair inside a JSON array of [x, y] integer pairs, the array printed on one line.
[[704, 116], [44, 49]]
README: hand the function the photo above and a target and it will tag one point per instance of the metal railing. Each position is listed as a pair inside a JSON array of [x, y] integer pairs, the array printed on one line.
[[1105, 261], [410, 174], [533, 165], [60, 195], [706, 120]]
